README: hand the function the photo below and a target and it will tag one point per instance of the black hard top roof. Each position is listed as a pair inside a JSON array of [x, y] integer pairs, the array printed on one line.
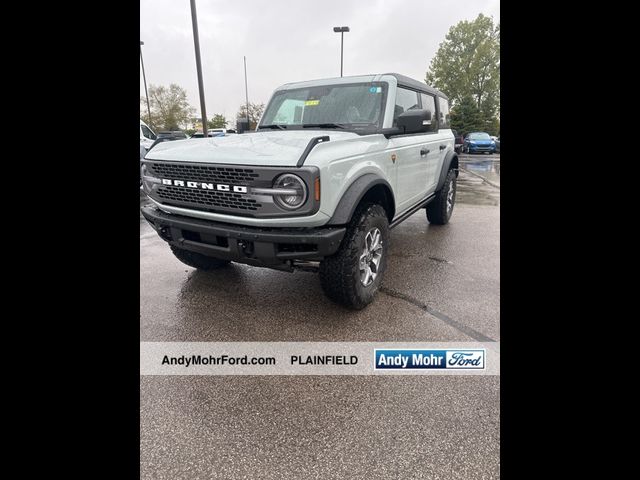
[[405, 81]]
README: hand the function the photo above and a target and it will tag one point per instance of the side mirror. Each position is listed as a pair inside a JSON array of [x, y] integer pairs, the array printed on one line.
[[415, 121]]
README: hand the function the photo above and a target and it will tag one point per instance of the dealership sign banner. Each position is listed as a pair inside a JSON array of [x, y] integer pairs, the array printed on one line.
[[319, 358]]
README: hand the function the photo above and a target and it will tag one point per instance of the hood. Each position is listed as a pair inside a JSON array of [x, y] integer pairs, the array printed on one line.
[[481, 140], [266, 148]]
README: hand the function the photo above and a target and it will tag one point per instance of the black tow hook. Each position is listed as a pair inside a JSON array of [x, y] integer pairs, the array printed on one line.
[[165, 233], [247, 247]]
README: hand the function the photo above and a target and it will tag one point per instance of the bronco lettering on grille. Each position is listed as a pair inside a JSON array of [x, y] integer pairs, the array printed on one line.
[[206, 186]]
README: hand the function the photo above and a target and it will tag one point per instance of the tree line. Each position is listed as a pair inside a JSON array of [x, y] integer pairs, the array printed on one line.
[[171, 111]]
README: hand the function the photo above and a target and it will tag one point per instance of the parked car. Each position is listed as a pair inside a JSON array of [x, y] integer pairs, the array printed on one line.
[[478, 142], [332, 167], [172, 135], [458, 141], [147, 136], [215, 132], [497, 142]]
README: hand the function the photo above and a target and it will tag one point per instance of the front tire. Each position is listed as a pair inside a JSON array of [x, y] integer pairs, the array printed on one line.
[[197, 260], [439, 210], [353, 275]]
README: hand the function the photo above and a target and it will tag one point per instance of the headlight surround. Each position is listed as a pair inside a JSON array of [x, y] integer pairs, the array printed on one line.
[[290, 181], [147, 181]]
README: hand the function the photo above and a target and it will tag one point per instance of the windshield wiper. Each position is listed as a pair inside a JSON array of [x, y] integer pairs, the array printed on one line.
[[324, 125], [274, 126]]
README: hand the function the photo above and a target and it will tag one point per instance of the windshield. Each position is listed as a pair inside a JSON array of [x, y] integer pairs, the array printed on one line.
[[333, 106], [479, 136]]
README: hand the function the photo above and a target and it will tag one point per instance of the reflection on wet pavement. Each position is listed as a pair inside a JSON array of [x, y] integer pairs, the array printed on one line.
[[479, 180]]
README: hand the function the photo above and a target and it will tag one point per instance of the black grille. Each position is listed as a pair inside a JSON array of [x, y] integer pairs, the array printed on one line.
[[203, 173], [209, 187], [208, 198]]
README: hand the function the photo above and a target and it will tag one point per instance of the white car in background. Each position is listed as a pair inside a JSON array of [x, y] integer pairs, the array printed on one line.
[[214, 132], [147, 137]]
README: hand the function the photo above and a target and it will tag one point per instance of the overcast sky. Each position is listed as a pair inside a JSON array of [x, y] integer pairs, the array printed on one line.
[[288, 40]]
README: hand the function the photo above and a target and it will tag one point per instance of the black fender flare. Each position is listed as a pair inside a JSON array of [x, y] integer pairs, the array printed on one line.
[[351, 198], [450, 161]]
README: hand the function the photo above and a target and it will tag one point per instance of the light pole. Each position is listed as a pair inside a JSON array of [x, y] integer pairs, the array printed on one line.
[[145, 85], [246, 90], [341, 30], [196, 43]]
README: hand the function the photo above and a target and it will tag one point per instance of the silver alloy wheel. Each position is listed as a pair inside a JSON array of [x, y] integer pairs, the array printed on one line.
[[371, 257], [450, 194]]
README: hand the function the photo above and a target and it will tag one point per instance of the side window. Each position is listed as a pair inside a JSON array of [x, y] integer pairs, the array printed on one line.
[[429, 103], [444, 113], [405, 100], [146, 132]]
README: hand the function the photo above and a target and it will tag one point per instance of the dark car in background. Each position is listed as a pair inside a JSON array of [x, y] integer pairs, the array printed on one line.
[[478, 142], [169, 137], [458, 141], [174, 135]]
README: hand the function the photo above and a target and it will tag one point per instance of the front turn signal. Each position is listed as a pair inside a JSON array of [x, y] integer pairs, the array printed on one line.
[[316, 188]]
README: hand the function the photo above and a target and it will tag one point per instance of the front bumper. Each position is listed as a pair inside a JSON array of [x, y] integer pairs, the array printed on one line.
[[482, 148], [270, 247]]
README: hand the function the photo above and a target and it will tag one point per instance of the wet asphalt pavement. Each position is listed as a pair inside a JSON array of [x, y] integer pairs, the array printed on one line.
[[442, 284]]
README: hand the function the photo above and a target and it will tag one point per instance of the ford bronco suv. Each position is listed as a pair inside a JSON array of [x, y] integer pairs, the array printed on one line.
[[333, 165]]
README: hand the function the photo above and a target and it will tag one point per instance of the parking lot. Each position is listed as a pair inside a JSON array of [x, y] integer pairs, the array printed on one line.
[[442, 284]]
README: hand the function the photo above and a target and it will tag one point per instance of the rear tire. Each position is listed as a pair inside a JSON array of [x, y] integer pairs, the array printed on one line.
[[197, 260], [439, 210], [351, 277]]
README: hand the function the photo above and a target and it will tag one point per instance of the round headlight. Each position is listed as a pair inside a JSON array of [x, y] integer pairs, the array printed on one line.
[[290, 200]]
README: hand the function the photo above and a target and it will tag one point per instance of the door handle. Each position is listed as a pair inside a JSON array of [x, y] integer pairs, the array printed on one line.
[[424, 152], [442, 147]]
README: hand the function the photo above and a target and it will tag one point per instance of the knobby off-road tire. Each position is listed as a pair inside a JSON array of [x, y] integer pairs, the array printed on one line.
[[439, 210], [344, 276], [197, 260]]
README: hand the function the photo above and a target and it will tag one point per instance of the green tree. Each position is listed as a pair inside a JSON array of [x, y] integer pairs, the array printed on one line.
[[255, 112], [466, 117], [169, 107], [218, 121], [467, 64]]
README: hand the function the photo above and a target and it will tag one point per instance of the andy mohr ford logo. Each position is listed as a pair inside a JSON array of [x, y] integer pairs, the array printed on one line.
[[408, 359]]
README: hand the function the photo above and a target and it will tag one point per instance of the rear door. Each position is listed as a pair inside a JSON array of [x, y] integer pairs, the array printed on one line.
[[443, 143], [432, 162]]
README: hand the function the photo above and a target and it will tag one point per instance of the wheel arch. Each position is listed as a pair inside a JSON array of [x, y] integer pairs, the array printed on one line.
[[368, 187], [450, 162]]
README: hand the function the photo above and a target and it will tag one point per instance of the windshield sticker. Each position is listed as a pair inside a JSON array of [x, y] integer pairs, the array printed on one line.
[[375, 90], [309, 103]]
